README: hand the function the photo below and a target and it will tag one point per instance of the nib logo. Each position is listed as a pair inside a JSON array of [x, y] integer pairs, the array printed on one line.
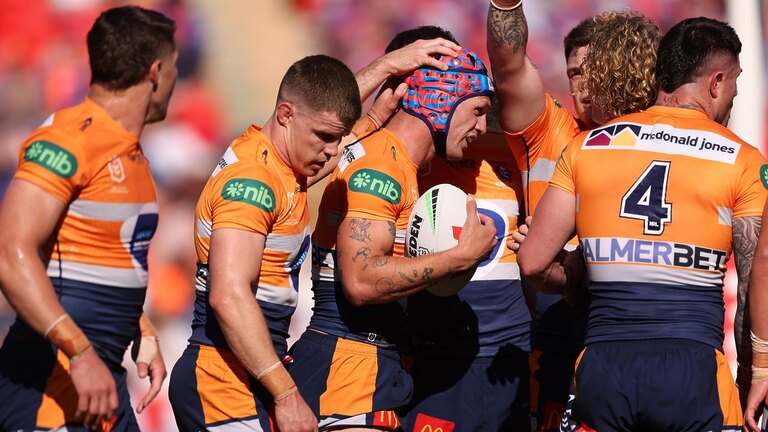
[[52, 157], [376, 183], [251, 192]]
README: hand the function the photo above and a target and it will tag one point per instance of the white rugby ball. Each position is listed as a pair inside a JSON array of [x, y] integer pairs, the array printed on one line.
[[435, 225]]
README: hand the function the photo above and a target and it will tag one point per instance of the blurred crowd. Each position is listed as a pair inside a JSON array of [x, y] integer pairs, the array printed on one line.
[[43, 67]]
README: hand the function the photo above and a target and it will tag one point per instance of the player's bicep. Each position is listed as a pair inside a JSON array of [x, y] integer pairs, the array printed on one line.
[[234, 261], [363, 245], [29, 214], [521, 97]]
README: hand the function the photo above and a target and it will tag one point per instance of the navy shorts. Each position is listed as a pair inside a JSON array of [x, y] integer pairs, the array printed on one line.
[[36, 390], [349, 383], [669, 385], [469, 394], [210, 390]]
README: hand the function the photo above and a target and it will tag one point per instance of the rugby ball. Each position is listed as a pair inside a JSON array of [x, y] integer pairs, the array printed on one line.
[[435, 225]]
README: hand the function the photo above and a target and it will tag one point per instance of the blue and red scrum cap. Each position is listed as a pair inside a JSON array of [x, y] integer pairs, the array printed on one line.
[[433, 94]]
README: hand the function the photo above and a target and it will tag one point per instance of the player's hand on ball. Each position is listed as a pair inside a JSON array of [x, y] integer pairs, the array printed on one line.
[[518, 237], [478, 235]]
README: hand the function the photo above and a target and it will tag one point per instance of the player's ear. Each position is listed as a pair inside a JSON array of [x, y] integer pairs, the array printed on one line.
[[285, 112], [715, 83], [154, 73]]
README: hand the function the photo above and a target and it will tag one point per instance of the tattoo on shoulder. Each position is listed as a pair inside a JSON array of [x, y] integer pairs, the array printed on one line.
[[392, 229], [508, 28], [360, 229]]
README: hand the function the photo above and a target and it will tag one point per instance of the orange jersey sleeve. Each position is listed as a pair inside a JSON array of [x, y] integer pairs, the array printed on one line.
[[243, 198], [54, 161], [374, 189], [537, 148]]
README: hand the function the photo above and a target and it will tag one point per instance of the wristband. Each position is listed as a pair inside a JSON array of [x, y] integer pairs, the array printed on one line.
[[68, 337], [759, 374], [285, 394], [509, 8], [268, 370], [277, 381], [54, 323], [146, 328], [365, 126]]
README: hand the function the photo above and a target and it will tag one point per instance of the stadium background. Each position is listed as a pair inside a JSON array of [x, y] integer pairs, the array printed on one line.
[[233, 54]]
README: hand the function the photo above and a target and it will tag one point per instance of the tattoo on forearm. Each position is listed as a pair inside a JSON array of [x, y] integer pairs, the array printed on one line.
[[426, 275], [409, 279], [385, 285], [392, 229], [360, 230], [362, 252], [746, 231], [508, 28]]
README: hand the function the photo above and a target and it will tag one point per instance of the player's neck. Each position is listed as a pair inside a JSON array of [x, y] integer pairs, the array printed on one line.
[[127, 107], [414, 135], [276, 135], [686, 96]]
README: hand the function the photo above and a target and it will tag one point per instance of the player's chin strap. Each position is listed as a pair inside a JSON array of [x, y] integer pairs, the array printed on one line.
[[440, 139]]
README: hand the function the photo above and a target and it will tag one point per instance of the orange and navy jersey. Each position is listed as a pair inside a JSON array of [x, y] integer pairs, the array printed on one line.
[[83, 157], [253, 189], [497, 313], [375, 180], [537, 148], [656, 193]]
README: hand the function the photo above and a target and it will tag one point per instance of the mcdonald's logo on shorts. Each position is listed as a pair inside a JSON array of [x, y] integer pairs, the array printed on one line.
[[387, 419], [425, 423]]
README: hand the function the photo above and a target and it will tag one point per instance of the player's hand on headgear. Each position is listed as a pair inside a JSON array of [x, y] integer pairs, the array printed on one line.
[[419, 54], [387, 102], [755, 401], [149, 362], [518, 237], [95, 386], [478, 235]]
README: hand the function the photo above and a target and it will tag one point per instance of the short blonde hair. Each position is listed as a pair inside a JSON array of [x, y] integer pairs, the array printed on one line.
[[619, 69]]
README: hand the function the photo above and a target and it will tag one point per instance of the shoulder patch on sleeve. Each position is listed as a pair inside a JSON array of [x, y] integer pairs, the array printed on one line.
[[52, 157], [350, 154], [251, 192], [376, 183], [764, 176]]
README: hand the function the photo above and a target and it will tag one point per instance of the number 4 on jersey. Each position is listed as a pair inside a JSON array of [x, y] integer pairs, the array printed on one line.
[[646, 200]]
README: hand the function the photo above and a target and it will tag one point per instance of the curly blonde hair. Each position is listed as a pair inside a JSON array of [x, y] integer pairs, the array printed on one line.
[[619, 68]]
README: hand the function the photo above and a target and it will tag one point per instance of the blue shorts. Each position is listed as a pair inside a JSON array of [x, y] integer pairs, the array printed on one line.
[[469, 394], [349, 383], [210, 390], [669, 384], [36, 391]]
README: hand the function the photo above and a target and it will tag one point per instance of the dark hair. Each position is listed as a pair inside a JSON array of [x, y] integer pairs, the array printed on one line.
[[410, 36], [579, 36], [687, 48], [124, 42], [324, 84]]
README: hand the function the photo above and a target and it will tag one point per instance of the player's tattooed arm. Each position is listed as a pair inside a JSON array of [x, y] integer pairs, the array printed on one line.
[[517, 81], [745, 234], [507, 28], [359, 228], [370, 274]]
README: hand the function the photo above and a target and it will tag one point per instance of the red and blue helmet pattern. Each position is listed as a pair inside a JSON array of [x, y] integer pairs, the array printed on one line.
[[433, 94]]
